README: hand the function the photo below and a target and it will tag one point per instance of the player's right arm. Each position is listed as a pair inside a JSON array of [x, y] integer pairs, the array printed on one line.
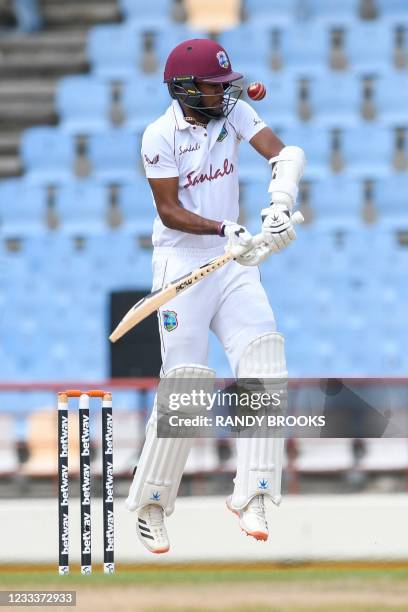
[[173, 216], [162, 172], [163, 176]]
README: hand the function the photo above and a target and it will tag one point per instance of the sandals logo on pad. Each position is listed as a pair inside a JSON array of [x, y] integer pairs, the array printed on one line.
[[170, 321]]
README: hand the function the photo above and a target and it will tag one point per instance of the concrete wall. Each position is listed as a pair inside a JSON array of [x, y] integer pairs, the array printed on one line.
[[304, 527]]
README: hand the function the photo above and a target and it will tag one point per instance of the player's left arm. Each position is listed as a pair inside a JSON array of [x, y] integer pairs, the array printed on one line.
[[287, 164], [267, 143], [287, 169]]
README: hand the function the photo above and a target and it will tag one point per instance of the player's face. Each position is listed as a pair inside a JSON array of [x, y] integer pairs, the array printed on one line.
[[213, 96]]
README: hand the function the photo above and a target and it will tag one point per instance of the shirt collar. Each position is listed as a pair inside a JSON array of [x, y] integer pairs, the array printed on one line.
[[182, 124]]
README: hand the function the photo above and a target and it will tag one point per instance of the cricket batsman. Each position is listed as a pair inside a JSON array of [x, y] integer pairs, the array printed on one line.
[[190, 156]]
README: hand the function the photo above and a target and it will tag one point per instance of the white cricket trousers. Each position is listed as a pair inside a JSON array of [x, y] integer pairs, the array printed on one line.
[[231, 302]]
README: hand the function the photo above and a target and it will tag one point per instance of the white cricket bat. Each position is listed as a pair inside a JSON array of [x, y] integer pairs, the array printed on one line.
[[144, 307]]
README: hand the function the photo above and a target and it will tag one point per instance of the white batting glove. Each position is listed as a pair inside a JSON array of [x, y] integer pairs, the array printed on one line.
[[277, 227], [238, 237]]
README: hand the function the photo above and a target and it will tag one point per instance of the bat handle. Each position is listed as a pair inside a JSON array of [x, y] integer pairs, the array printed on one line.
[[297, 218]]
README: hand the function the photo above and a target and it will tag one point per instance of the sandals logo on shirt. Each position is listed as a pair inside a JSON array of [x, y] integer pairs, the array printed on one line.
[[223, 59], [152, 162], [189, 149], [194, 179], [223, 134], [170, 321]]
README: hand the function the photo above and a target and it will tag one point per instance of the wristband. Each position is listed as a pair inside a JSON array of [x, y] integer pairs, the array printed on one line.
[[220, 229]]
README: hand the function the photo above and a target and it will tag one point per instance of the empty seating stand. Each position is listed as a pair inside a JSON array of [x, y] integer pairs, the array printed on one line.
[[337, 202], [82, 207], [369, 47], [335, 99], [367, 150], [391, 98], [280, 12], [114, 156], [143, 101], [355, 164], [83, 104], [23, 208], [48, 155], [134, 9]]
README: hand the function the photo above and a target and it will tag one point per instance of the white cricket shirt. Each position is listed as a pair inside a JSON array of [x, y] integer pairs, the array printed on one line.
[[206, 162]]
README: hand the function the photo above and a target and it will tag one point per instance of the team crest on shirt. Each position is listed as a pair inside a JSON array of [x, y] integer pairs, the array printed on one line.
[[223, 59], [223, 134], [170, 321], [152, 162]]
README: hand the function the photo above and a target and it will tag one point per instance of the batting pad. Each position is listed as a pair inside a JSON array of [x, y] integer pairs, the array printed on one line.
[[162, 461], [260, 460]]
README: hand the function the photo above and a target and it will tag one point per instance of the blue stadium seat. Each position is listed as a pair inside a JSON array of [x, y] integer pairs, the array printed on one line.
[[394, 9], [48, 155], [372, 248], [316, 141], [257, 38], [251, 165], [144, 99], [114, 155], [273, 11], [335, 99], [305, 48], [123, 261], [165, 37], [367, 151], [369, 47], [22, 208], [82, 207], [391, 98], [137, 207], [83, 104], [337, 202], [391, 201], [133, 9], [279, 107], [50, 253], [141, 277], [331, 11], [114, 51], [129, 268]]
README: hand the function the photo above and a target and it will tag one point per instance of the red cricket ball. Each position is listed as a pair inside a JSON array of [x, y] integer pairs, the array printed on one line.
[[256, 91]]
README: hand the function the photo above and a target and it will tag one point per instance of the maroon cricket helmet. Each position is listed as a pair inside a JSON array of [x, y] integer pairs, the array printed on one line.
[[201, 58]]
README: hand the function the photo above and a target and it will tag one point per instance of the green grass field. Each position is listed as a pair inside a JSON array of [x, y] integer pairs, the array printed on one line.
[[311, 587]]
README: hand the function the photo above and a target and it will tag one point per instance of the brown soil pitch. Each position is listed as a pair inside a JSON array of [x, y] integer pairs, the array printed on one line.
[[351, 594]]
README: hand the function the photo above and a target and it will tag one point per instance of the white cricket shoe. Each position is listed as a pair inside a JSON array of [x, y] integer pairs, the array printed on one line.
[[252, 518], [151, 529]]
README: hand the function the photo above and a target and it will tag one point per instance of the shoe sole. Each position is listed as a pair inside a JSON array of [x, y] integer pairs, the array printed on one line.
[[160, 551], [260, 536]]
